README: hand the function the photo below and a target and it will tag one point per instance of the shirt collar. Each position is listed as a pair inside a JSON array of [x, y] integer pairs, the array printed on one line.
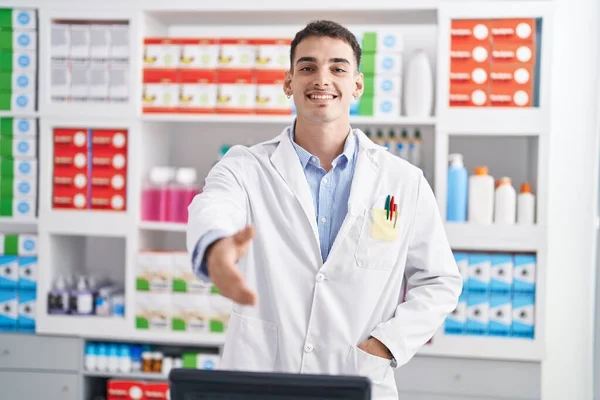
[[343, 159]]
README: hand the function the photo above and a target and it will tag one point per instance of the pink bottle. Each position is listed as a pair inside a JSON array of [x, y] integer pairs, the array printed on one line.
[[182, 193], [154, 195]]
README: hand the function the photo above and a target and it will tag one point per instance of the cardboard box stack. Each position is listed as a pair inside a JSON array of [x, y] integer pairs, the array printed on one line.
[[215, 75], [90, 62], [493, 63], [498, 296], [170, 297], [18, 282], [382, 65], [18, 59], [90, 169]]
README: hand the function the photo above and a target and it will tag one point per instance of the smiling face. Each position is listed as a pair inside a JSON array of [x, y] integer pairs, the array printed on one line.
[[324, 79]]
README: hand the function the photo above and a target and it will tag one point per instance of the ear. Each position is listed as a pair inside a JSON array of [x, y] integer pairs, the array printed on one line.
[[359, 85], [287, 83]]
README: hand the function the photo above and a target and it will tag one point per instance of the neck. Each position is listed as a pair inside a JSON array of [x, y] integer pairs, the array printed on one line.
[[323, 140]]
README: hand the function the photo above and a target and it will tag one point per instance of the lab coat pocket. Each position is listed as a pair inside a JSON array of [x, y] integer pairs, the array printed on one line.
[[382, 227], [377, 246], [364, 364], [251, 344]]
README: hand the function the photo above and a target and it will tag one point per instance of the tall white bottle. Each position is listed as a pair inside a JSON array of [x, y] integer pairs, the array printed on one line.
[[526, 205], [418, 86], [481, 196], [505, 202]]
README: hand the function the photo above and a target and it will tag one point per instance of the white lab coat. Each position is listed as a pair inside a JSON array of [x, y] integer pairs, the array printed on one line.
[[310, 316]]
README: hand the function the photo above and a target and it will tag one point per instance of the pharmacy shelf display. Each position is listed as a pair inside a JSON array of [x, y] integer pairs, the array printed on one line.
[[159, 88]]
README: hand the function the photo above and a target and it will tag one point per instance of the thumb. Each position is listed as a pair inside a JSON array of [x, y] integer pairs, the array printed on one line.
[[242, 238]]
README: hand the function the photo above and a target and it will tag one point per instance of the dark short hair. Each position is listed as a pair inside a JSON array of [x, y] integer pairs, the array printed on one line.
[[323, 28]]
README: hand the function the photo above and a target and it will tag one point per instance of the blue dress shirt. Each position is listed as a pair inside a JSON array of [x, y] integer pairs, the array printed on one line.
[[330, 192]]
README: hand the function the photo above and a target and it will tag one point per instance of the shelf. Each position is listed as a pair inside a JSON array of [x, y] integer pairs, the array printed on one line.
[[484, 347], [170, 337], [465, 236], [126, 375], [495, 121], [162, 226], [19, 114], [279, 119], [87, 223], [80, 325], [17, 221]]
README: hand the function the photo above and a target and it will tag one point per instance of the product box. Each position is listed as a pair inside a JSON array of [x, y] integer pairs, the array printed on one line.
[[119, 41], [109, 139], [70, 198], [107, 199], [118, 82], [71, 140], [201, 361], [470, 73], [80, 42], [455, 322], [19, 127], [479, 273], [9, 272], [118, 389], [99, 41], [514, 30], [513, 53], [184, 279], [18, 168], [71, 158], [500, 314], [154, 271], [466, 53], [379, 106], [382, 64], [111, 181], [20, 187], [198, 91], [503, 96], [9, 310], [382, 41], [236, 92], [478, 314], [60, 81], [161, 53], [28, 267], [469, 32], [11, 146], [60, 44], [525, 273], [153, 311], [501, 273], [99, 80], [18, 207], [18, 245], [17, 101], [18, 18], [160, 91], [109, 160], [21, 61], [270, 98], [27, 306], [191, 313], [18, 39], [515, 76], [80, 81], [382, 85], [156, 390], [462, 261], [237, 54], [523, 322], [199, 53], [70, 180], [220, 312], [17, 81], [462, 95], [272, 54]]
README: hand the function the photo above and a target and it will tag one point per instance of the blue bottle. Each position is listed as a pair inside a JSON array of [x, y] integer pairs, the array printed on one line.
[[458, 179]]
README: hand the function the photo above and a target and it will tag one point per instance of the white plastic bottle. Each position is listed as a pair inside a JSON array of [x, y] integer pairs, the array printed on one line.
[[505, 202], [418, 86], [526, 205], [481, 196]]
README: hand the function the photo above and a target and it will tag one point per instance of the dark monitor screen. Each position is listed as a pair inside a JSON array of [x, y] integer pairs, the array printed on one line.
[[190, 384]]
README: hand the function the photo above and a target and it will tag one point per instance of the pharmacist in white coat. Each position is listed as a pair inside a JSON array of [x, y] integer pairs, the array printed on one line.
[[313, 233]]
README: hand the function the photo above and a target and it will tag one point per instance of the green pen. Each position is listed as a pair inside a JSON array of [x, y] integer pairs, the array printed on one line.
[[387, 207]]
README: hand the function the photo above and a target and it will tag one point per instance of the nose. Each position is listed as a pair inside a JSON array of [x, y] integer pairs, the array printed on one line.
[[322, 78]]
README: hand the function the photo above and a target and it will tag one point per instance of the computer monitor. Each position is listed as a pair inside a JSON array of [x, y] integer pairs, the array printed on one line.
[[191, 384]]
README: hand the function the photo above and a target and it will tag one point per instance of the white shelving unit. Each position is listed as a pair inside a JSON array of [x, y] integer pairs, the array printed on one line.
[[193, 140]]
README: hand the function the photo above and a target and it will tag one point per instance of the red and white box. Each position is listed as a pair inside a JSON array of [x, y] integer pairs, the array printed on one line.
[[508, 96], [466, 53], [270, 98], [71, 158], [469, 32], [107, 199], [125, 390], [161, 53], [272, 54], [236, 92], [467, 96], [198, 91], [69, 188], [470, 73], [70, 138], [109, 160], [515, 30], [156, 391], [513, 53], [109, 139], [160, 91], [200, 53], [237, 53]]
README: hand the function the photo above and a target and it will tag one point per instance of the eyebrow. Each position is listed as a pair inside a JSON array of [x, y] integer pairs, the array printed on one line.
[[331, 60]]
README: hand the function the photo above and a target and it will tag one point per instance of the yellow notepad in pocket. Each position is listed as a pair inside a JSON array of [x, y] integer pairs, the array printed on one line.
[[381, 227]]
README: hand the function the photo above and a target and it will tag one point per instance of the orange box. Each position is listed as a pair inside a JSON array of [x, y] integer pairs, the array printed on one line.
[[107, 199], [502, 95], [470, 32], [69, 197], [468, 96], [70, 178], [71, 158], [513, 53], [517, 76], [471, 73], [109, 160], [114, 139], [107, 179], [156, 390], [513, 30], [471, 54], [75, 138], [118, 389]]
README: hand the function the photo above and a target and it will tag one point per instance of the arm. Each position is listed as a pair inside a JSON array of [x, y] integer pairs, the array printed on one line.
[[433, 283]]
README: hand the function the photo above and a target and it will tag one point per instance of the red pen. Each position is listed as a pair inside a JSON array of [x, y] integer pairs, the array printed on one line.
[[392, 208]]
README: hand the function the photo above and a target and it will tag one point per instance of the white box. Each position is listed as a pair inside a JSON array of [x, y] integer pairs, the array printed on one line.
[[237, 54], [25, 127], [24, 147], [390, 64], [28, 267], [99, 42], [160, 95], [80, 81], [80, 41], [24, 18], [479, 272], [153, 311], [162, 53], [236, 96], [60, 81], [273, 54], [271, 98], [154, 271], [99, 81], [386, 106], [9, 308], [23, 81], [191, 312], [24, 40], [118, 82], [387, 85], [23, 168], [184, 279], [119, 41], [199, 54], [25, 187], [23, 207], [60, 41], [23, 101], [9, 272], [198, 96], [24, 61], [28, 245]]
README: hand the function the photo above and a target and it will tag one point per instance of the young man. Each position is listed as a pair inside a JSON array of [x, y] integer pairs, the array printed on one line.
[[312, 233]]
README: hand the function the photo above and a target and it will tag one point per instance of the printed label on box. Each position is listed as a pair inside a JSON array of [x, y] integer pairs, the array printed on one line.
[[469, 32], [462, 261], [23, 101], [160, 90], [236, 92], [190, 313], [523, 323], [9, 272], [28, 272], [24, 40], [478, 314], [9, 307], [273, 54], [500, 315], [18, 187], [199, 54], [99, 41], [270, 98], [24, 127], [513, 53], [455, 322], [154, 271], [153, 311], [513, 30], [524, 273], [479, 273], [383, 40], [478, 54], [462, 95], [111, 139], [501, 273], [27, 307], [198, 91], [24, 61], [237, 54], [69, 197], [107, 199], [28, 245]]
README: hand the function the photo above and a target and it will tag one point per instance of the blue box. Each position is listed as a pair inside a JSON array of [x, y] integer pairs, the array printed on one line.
[[524, 274], [9, 272], [9, 309], [28, 272], [478, 314], [501, 279], [27, 307], [455, 322], [523, 323], [479, 273], [462, 261], [500, 314]]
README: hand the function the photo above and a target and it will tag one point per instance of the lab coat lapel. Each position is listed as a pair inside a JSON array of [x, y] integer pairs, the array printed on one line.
[[285, 159]]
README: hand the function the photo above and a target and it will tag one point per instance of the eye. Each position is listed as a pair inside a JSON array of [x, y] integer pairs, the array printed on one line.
[[339, 70], [306, 69]]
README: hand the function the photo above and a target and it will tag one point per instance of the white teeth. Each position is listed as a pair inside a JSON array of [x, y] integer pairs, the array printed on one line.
[[321, 97]]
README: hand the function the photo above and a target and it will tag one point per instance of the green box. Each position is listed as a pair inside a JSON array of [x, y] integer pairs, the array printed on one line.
[[6, 146], [6, 40], [6, 60], [368, 64], [178, 325], [5, 101], [6, 126], [142, 323], [190, 360], [369, 86], [366, 106], [369, 42], [6, 18], [6, 81], [11, 245]]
